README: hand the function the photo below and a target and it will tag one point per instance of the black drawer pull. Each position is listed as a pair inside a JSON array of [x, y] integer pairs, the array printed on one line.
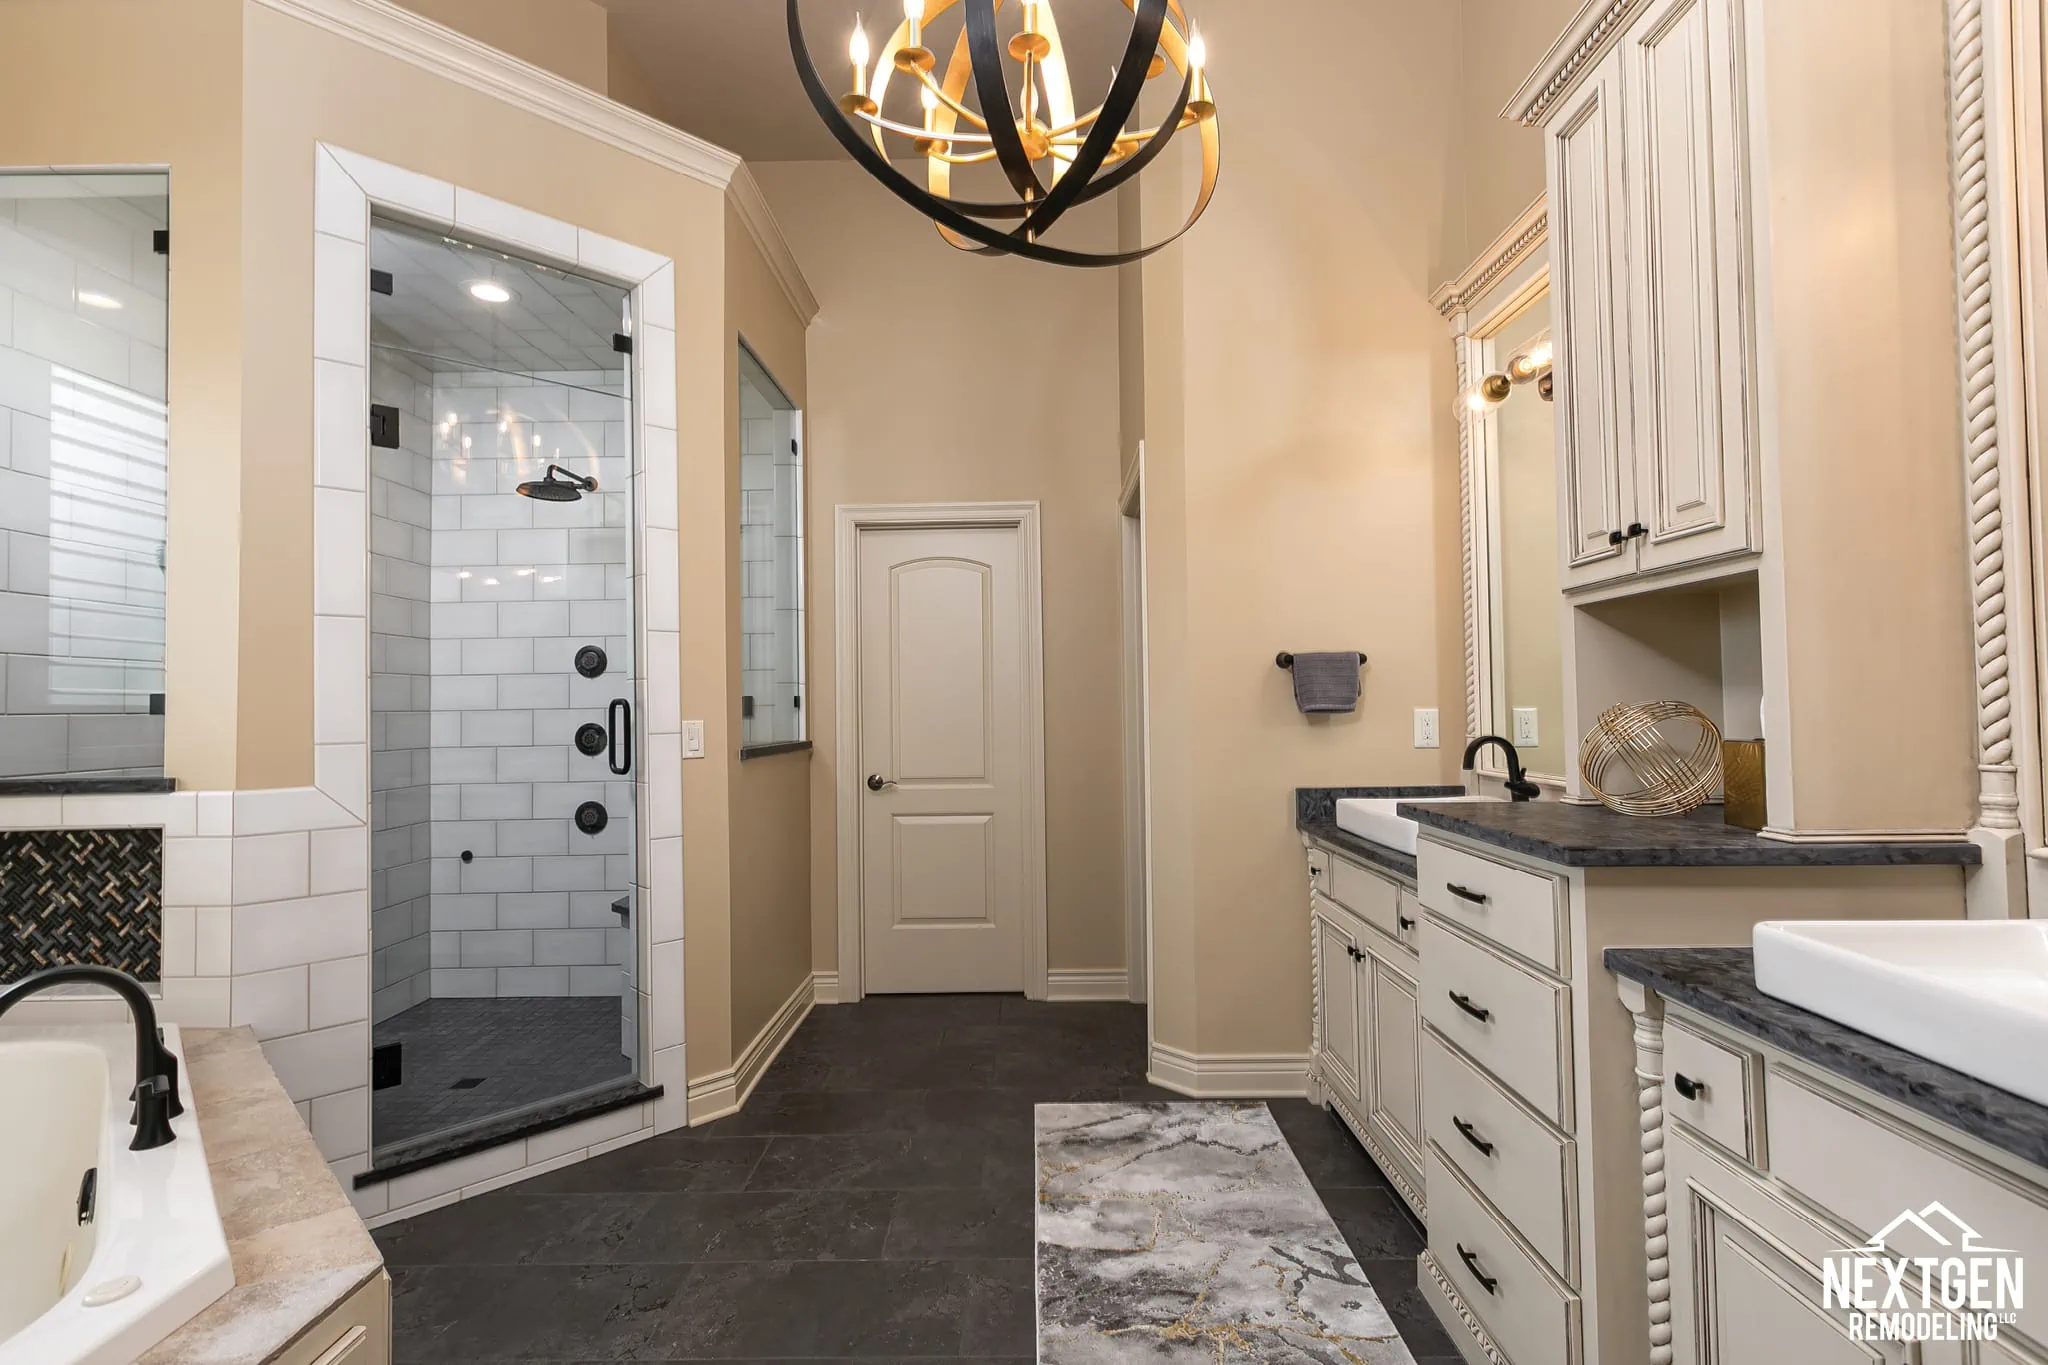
[[1464, 1002], [1687, 1086], [1486, 1281], [1465, 893], [1405, 923], [1466, 1132]]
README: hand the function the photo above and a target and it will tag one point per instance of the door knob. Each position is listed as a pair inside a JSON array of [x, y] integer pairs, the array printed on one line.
[[876, 782]]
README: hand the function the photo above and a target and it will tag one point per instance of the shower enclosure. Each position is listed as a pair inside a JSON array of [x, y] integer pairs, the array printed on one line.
[[504, 690]]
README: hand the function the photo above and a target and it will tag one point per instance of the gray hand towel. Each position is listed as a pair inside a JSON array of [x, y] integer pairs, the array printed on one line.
[[1326, 682]]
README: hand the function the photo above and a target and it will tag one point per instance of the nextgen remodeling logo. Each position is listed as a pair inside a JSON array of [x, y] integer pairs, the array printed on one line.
[[1963, 1293]]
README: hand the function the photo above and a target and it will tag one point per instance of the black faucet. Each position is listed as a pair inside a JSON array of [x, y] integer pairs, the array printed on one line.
[[156, 1070], [1520, 788]]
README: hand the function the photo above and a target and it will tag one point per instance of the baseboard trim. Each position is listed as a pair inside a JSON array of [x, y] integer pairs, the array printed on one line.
[[1087, 983], [724, 1092], [824, 988], [1230, 1076]]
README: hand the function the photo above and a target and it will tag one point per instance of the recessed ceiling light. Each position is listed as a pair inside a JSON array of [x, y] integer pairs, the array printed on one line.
[[489, 291], [94, 299]]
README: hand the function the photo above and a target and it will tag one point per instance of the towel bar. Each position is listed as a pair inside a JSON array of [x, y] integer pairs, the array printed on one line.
[[1286, 660]]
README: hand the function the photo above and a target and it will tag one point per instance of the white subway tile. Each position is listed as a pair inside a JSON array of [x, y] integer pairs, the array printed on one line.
[[341, 551], [665, 996], [192, 1002], [341, 300], [342, 773], [671, 1072], [451, 1176], [297, 932], [341, 1123], [657, 298], [617, 260], [199, 871], [272, 1003], [464, 982], [341, 680], [338, 203], [569, 948], [213, 929], [533, 981], [339, 861], [180, 940], [549, 238], [323, 1062], [665, 913], [272, 867], [664, 769], [595, 980], [418, 195], [586, 1133], [338, 992]]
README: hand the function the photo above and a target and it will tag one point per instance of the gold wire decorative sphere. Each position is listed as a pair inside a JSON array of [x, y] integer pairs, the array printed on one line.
[[1628, 741], [1011, 106]]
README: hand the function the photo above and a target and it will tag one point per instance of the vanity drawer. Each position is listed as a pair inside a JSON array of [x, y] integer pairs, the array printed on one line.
[[1530, 1314], [1318, 870], [1510, 1155], [1518, 910], [1708, 1085], [1368, 895], [1513, 1022], [1866, 1169]]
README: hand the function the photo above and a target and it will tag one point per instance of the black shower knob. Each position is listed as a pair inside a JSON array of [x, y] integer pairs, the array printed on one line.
[[590, 662], [591, 817], [591, 739]]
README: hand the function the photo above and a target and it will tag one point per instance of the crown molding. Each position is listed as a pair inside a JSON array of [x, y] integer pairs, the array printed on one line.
[[1584, 42], [396, 32], [744, 194], [1521, 240]]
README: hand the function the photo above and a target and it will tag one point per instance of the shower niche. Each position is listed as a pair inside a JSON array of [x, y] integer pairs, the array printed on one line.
[[504, 691]]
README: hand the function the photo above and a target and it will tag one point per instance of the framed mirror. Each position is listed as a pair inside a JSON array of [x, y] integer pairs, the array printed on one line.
[[1499, 313]]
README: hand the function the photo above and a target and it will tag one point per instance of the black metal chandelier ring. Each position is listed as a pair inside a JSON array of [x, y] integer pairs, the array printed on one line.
[[1088, 155]]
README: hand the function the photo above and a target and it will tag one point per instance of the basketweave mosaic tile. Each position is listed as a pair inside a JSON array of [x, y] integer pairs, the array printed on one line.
[[81, 895]]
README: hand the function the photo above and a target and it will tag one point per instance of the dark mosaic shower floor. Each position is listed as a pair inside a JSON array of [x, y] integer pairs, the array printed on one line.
[[469, 1059]]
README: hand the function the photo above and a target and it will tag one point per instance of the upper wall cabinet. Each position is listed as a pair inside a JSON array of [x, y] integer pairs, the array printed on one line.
[[1646, 167]]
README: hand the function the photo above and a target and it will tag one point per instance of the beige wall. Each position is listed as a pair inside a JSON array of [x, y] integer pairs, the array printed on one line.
[[771, 797], [156, 85], [568, 37], [1301, 461], [1857, 367], [937, 376], [1501, 42]]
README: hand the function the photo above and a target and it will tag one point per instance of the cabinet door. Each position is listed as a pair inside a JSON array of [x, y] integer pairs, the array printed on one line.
[[1396, 1059], [1338, 1024], [1687, 307], [1588, 225]]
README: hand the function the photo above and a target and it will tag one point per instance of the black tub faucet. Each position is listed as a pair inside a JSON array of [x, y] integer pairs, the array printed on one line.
[[1520, 788], [156, 1070]]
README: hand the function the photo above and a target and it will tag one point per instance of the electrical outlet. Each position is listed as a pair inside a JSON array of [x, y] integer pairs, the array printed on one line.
[[1525, 726], [1425, 727], [693, 739]]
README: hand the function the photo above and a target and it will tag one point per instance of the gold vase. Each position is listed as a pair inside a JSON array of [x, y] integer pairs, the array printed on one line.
[[1742, 781]]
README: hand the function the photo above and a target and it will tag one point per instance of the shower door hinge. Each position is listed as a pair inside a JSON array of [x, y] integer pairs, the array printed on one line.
[[622, 343], [160, 241], [383, 426], [380, 281]]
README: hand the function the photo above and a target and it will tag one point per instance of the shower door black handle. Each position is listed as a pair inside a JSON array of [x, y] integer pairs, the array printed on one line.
[[619, 720]]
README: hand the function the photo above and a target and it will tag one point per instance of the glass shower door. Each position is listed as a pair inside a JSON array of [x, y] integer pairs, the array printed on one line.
[[504, 693]]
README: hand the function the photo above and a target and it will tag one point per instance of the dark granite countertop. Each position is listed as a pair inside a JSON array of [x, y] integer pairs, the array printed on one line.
[[1721, 984], [85, 786], [1315, 814], [1593, 836]]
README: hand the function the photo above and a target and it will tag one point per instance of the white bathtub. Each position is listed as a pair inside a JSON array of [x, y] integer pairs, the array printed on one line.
[[63, 1111]]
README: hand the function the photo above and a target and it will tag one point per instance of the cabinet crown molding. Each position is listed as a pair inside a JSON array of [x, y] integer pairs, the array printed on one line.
[[1584, 41], [1522, 238]]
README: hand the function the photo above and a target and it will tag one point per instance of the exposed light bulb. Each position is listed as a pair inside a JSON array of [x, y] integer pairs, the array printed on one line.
[[913, 10], [930, 100], [857, 46], [1540, 354], [1198, 51], [1476, 401]]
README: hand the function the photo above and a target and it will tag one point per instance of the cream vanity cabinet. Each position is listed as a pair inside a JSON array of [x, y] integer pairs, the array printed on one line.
[[1652, 316], [1768, 1165], [1533, 1158], [1367, 1031]]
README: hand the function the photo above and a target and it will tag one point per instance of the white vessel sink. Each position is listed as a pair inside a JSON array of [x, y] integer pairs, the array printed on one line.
[[1972, 995], [1373, 817]]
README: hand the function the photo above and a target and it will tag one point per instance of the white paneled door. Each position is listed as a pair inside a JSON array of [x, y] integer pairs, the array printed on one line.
[[942, 649]]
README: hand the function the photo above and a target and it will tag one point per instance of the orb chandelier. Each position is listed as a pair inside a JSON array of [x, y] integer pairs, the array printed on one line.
[[1052, 157]]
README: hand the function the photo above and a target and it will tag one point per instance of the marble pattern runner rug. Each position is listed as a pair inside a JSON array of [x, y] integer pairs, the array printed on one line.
[[1189, 1233]]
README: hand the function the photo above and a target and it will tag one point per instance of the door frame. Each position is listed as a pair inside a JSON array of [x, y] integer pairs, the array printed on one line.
[[850, 522], [1137, 740]]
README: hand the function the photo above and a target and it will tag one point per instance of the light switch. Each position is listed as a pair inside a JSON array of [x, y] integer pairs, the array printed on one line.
[[1425, 727], [693, 739], [1525, 726]]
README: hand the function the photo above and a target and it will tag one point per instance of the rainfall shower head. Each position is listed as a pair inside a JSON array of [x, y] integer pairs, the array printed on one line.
[[568, 488]]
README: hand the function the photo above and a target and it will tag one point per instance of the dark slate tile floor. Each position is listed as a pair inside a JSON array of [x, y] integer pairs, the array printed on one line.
[[873, 1200], [467, 1060]]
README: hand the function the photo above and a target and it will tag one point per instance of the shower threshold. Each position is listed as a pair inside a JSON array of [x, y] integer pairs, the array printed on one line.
[[403, 1158]]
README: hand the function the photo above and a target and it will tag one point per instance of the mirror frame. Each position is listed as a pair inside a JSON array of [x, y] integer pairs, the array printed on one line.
[[1506, 279]]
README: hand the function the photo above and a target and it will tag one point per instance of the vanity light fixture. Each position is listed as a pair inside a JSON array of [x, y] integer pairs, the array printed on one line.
[[489, 291], [92, 298], [1011, 106]]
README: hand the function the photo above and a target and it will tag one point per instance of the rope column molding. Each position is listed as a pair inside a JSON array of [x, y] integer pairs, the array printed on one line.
[[1998, 796], [1648, 1014]]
